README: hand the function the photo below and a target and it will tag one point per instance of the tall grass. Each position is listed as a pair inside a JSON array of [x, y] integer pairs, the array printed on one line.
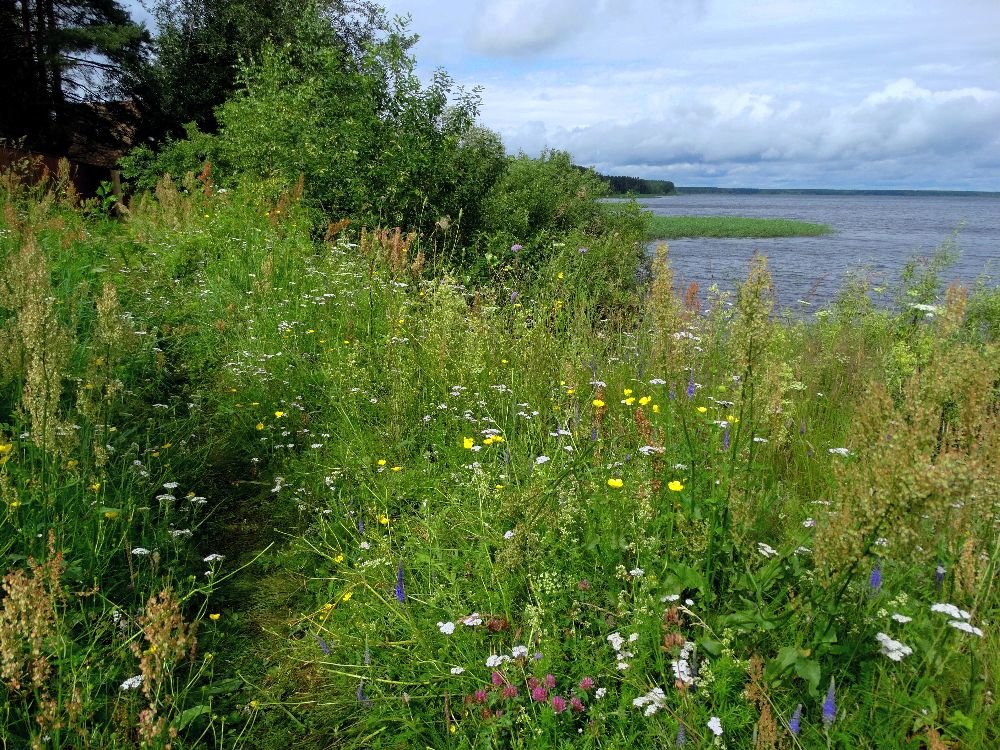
[[555, 510]]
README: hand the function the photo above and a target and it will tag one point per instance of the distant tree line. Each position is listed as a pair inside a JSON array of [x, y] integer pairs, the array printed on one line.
[[621, 184]]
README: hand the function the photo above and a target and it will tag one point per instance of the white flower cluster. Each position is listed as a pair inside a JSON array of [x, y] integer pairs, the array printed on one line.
[[472, 620], [446, 627], [960, 618], [683, 669], [766, 550], [651, 702], [892, 648], [618, 644], [132, 683], [839, 452]]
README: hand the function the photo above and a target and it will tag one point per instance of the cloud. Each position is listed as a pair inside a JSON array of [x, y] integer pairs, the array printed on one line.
[[516, 27], [738, 135]]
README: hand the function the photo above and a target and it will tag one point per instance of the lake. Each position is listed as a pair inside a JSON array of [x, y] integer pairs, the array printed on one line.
[[876, 234]]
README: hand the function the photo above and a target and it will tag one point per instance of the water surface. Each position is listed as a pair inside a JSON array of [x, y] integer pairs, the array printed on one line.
[[875, 234]]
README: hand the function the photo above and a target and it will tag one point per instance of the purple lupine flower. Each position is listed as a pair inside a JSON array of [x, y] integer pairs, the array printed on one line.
[[360, 695], [796, 721], [513, 297], [725, 438], [681, 736], [593, 433], [939, 572], [830, 706], [558, 704], [323, 646], [875, 579], [361, 526], [672, 394], [690, 390], [400, 592]]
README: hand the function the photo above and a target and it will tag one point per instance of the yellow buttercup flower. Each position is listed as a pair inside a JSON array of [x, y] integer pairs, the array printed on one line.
[[383, 519], [656, 408], [675, 486], [214, 616], [260, 425], [397, 468], [702, 409], [339, 558], [381, 462], [644, 400], [598, 403], [628, 401], [347, 597], [279, 414], [627, 392], [468, 443], [615, 483]]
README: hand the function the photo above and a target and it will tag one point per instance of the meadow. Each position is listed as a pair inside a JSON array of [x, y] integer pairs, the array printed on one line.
[[266, 483], [676, 227]]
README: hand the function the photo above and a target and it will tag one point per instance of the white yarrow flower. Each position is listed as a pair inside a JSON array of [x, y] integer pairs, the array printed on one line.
[[472, 620], [951, 610], [132, 683], [457, 670], [766, 550], [892, 648], [446, 627], [966, 627], [901, 618], [715, 724]]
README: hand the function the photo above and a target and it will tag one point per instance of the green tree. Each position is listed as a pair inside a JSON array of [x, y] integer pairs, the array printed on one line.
[[201, 45], [61, 59]]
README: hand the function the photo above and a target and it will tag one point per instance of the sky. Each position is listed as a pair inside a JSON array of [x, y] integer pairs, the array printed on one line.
[[734, 93]]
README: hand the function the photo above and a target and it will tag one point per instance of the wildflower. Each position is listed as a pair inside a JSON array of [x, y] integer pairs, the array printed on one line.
[[347, 596], [839, 451], [360, 694], [939, 572], [549, 681], [558, 704], [901, 618], [966, 627], [637, 572], [132, 683], [597, 403], [725, 437], [515, 248], [875, 579], [576, 704], [586, 684], [539, 694], [214, 616], [399, 591], [583, 585], [675, 486], [468, 443], [951, 610], [892, 648], [643, 400], [681, 736], [279, 414], [446, 627], [715, 724], [496, 660], [583, 250], [766, 550], [457, 670], [508, 692], [472, 620], [795, 723], [600, 693], [615, 483], [323, 646], [497, 679], [542, 460], [260, 425], [829, 706], [702, 409], [509, 534], [214, 557], [381, 462], [690, 388], [397, 468], [140, 551]]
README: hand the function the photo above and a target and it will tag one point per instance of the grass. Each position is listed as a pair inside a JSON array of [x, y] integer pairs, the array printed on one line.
[[676, 227], [582, 515]]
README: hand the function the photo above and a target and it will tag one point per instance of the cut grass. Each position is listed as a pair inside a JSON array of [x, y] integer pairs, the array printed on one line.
[[676, 227]]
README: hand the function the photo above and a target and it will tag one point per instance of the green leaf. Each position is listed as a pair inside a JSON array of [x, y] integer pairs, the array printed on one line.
[[808, 670], [191, 714]]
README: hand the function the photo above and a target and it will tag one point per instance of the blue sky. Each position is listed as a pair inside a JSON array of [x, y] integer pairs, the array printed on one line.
[[754, 93], [757, 93]]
